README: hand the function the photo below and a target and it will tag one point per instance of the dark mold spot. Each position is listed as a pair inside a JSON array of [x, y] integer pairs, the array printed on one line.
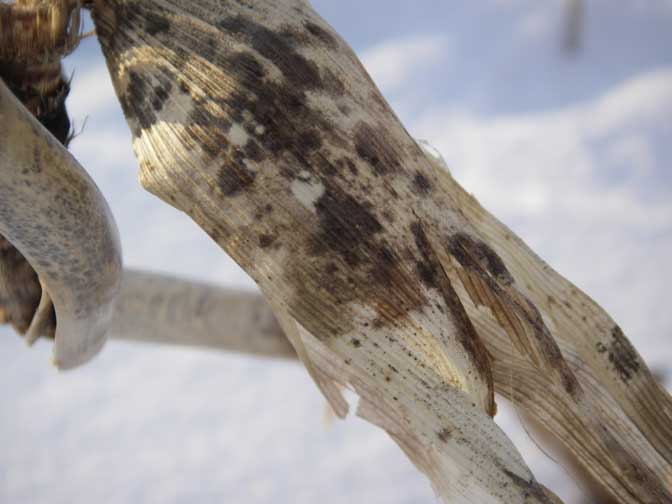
[[253, 151], [155, 23], [373, 146], [290, 126], [356, 343], [212, 141], [234, 178], [477, 256], [248, 66], [161, 94], [355, 264], [529, 488], [444, 435], [277, 48], [549, 348], [333, 85], [421, 184], [388, 216], [622, 354], [343, 223], [321, 34], [280, 106], [311, 140], [426, 273], [266, 240], [136, 93]]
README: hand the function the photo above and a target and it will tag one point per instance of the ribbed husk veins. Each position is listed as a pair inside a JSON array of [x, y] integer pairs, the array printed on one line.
[[257, 120]]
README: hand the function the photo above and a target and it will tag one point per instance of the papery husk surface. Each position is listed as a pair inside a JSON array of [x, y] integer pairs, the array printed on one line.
[[248, 117], [57, 220], [257, 120]]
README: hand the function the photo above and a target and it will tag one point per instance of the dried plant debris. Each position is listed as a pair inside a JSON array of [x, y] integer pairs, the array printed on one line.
[[34, 36], [53, 213], [258, 120]]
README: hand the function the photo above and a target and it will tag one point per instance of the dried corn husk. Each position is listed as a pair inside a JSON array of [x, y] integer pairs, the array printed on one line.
[[53, 213], [34, 36], [259, 121]]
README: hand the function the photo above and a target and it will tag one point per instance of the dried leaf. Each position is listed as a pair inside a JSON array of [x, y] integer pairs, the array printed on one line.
[[258, 121], [56, 217]]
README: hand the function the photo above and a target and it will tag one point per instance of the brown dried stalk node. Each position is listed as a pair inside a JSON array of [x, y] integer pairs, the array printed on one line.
[[34, 36]]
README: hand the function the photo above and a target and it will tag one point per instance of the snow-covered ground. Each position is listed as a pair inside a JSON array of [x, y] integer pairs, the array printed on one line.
[[572, 150]]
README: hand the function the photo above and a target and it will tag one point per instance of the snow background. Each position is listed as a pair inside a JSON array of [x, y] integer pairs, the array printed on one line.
[[571, 150]]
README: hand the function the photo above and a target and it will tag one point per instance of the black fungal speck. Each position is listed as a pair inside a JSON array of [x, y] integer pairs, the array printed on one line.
[[322, 35], [234, 178], [373, 146], [444, 435], [343, 223], [477, 256], [421, 184], [252, 150], [528, 488], [137, 92], [623, 355], [155, 23], [297, 70], [161, 94], [333, 85], [266, 240]]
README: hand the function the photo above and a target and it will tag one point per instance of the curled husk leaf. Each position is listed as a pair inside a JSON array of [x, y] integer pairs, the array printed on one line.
[[54, 215], [34, 36]]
